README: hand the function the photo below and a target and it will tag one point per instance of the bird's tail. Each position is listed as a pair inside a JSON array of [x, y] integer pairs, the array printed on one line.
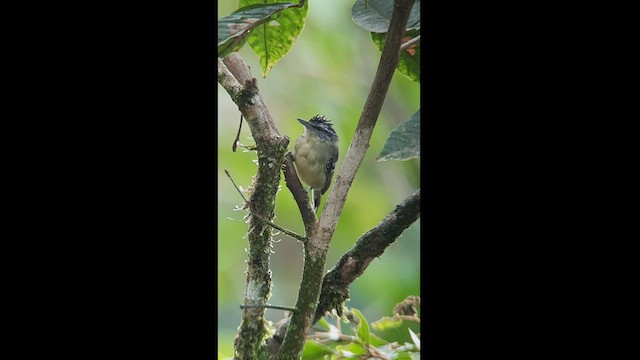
[[316, 199]]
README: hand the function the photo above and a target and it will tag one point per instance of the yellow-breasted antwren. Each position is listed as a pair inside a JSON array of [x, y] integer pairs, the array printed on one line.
[[315, 155]]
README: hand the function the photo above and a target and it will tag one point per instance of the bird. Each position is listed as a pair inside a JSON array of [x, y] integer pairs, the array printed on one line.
[[315, 154]]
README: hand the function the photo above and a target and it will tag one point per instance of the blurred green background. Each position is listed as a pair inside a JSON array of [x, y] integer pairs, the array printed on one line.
[[328, 71]]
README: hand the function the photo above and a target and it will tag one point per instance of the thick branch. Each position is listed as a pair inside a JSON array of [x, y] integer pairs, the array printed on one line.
[[335, 286], [317, 246], [234, 76], [240, 70]]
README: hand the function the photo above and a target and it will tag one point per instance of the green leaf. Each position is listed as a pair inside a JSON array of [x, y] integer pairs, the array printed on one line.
[[352, 350], [314, 350], [323, 322], [376, 15], [272, 40], [405, 355], [235, 28], [386, 323], [363, 327], [376, 340], [409, 62], [404, 141]]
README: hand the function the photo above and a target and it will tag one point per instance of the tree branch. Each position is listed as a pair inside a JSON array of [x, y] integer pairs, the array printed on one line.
[[263, 123], [360, 143], [235, 77], [335, 286], [269, 306], [317, 245], [299, 194]]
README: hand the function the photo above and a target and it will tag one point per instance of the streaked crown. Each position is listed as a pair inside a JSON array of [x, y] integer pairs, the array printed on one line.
[[321, 126]]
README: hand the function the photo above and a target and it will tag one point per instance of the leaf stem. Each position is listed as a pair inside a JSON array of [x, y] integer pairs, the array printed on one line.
[[410, 42]]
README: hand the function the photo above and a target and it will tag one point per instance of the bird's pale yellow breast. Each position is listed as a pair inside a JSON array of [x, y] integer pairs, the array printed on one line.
[[310, 157]]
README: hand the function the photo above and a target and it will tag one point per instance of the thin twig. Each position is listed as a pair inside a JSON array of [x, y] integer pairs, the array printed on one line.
[[288, 232], [408, 318], [323, 335], [237, 139], [268, 306], [377, 353], [236, 186], [410, 42]]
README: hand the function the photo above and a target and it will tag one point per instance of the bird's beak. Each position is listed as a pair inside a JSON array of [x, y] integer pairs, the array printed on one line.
[[304, 122]]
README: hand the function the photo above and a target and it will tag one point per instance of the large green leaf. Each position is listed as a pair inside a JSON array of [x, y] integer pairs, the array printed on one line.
[[235, 28], [404, 141], [272, 40], [409, 62], [375, 15]]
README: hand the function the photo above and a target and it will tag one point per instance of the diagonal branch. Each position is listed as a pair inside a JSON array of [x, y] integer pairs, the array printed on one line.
[[317, 246], [257, 115], [360, 143], [335, 286]]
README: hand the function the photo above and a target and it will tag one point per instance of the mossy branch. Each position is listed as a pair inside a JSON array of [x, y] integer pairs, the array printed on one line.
[[372, 244], [235, 77]]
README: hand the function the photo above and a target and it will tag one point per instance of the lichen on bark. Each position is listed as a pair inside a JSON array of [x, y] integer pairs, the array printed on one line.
[[253, 332]]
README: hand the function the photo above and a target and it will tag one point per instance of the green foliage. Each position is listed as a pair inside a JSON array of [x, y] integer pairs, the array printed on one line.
[[404, 141], [375, 15], [323, 322], [363, 327], [351, 350], [386, 323], [314, 350], [376, 340], [234, 29], [409, 62], [272, 40], [336, 344]]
